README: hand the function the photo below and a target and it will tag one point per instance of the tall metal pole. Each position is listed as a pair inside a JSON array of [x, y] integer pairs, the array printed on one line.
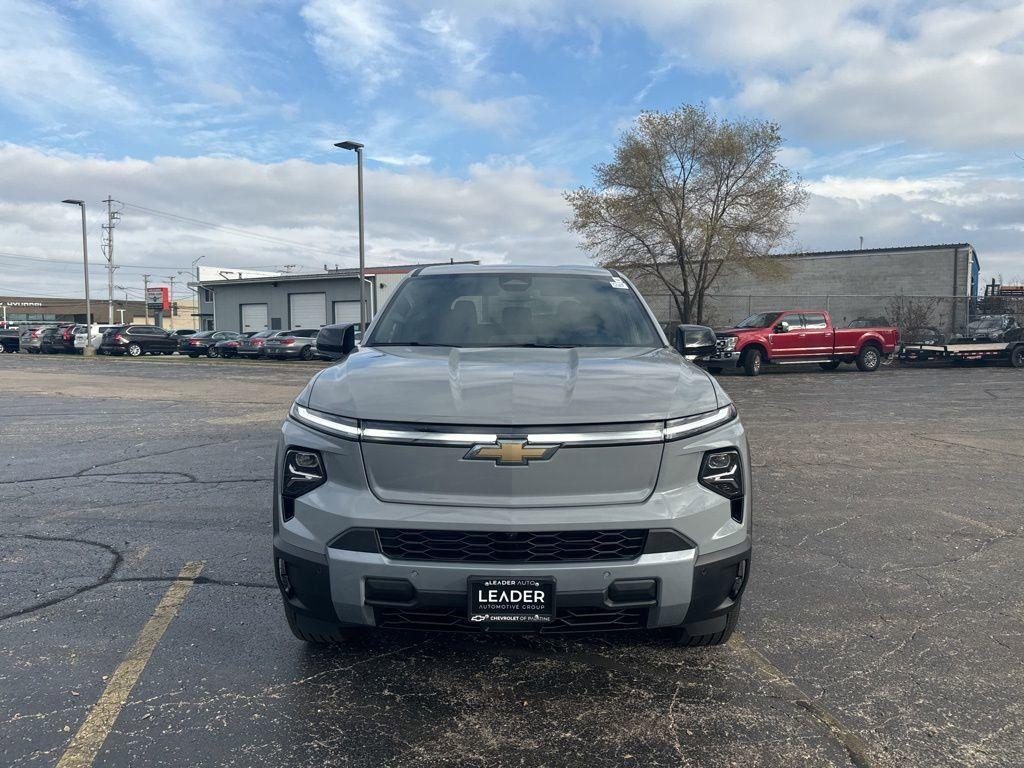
[[110, 259], [88, 351], [358, 147], [362, 241], [145, 296]]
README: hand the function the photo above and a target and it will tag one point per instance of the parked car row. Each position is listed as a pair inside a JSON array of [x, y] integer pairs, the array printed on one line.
[[135, 340]]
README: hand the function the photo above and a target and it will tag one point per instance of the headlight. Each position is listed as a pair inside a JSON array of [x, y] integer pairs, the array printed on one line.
[[303, 471], [325, 422], [720, 471], [729, 343], [694, 425]]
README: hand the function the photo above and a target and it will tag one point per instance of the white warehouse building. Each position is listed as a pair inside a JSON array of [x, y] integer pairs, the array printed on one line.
[[284, 301]]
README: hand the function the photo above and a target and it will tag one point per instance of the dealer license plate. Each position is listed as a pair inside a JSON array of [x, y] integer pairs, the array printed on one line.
[[511, 601]]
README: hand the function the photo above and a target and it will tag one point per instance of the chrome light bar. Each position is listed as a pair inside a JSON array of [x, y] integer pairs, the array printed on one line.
[[351, 430]]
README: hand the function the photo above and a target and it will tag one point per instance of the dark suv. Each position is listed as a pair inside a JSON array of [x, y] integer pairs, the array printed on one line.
[[137, 340]]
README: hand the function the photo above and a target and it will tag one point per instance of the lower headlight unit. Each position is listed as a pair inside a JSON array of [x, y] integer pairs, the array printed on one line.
[[721, 472], [303, 471]]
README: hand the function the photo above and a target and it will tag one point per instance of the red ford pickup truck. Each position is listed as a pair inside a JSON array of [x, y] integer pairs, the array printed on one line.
[[799, 336]]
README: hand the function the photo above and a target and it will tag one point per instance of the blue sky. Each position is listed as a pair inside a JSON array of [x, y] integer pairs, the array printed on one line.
[[903, 117]]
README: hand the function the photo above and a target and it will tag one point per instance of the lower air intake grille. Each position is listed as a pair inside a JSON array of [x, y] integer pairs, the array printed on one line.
[[566, 621], [511, 547]]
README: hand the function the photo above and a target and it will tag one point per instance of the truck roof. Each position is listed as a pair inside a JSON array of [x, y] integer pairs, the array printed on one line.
[[520, 269]]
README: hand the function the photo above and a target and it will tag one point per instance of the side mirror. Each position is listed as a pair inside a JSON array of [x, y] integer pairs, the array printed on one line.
[[336, 341], [695, 340], [782, 327]]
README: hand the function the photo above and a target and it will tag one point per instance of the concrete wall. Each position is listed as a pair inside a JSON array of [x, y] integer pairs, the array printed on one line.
[[848, 285], [229, 297]]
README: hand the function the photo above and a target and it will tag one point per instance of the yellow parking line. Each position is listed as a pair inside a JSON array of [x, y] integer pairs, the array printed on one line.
[[82, 751], [857, 748]]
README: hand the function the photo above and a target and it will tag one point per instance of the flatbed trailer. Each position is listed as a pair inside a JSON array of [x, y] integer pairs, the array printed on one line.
[[968, 351]]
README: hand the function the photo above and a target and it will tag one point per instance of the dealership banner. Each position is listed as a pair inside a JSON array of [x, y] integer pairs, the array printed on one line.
[[157, 298]]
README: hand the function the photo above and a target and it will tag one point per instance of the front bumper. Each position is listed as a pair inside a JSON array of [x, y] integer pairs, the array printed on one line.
[[339, 588]]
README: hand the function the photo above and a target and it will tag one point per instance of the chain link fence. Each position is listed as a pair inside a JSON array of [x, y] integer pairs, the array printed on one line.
[[948, 314]]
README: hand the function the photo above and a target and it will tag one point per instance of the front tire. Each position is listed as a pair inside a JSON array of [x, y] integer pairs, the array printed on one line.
[[753, 362], [869, 358], [687, 640], [831, 365], [134, 350], [1017, 356], [211, 352]]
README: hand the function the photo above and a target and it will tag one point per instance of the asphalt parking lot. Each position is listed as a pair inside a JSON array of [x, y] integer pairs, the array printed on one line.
[[139, 622]]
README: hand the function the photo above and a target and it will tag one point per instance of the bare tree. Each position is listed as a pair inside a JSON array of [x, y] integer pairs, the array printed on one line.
[[906, 312], [686, 194]]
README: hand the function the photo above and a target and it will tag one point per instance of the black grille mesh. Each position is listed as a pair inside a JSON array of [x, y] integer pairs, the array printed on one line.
[[509, 547]]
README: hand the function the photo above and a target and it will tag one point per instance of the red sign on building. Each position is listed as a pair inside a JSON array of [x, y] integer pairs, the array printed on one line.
[[158, 298]]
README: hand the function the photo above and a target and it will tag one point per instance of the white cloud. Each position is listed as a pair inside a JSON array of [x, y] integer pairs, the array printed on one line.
[[501, 212], [498, 113], [44, 74], [175, 34], [357, 38], [960, 207]]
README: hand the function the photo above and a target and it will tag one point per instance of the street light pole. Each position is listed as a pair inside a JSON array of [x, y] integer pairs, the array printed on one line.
[[88, 350], [355, 145]]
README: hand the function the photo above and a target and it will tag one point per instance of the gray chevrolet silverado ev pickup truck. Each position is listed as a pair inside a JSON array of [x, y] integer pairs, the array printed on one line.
[[512, 449]]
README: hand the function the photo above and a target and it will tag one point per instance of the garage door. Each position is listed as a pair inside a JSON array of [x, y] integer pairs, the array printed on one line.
[[254, 317], [346, 311], [307, 310]]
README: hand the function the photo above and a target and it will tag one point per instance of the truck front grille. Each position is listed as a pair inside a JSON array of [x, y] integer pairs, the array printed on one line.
[[511, 547]]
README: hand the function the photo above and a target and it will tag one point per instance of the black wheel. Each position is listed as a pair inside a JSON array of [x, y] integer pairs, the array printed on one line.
[[715, 369], [869, 358], [721, 637], [212, 352], [193, 355], [317, 632], [1017, 356], [134, 350], [753, 362], [306, 353], [831, 365]]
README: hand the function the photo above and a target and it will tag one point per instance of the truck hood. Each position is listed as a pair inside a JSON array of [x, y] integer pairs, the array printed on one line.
[[739, 331], [512, 386]]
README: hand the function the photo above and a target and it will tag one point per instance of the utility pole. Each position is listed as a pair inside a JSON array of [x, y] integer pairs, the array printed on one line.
[[145, 295], [196, 265], [108, 250], [170, 299]]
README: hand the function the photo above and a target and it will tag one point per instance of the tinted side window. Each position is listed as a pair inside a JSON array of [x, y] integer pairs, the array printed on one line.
[[815, 321]]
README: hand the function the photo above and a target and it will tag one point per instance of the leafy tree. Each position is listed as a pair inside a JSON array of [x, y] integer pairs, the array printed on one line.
[[686, 194]]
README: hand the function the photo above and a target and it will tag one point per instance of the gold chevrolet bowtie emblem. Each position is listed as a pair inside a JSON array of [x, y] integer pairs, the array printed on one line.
[[511, 452]]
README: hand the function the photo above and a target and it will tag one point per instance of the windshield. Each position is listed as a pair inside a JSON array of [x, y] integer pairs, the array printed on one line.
[[515, 310], [762, 320], [987, 323]]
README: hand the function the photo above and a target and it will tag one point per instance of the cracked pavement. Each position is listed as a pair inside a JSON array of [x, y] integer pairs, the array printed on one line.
[[883, 625]]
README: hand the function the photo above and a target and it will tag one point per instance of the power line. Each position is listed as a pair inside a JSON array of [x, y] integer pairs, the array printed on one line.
[[233, 230], [41, 260]]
